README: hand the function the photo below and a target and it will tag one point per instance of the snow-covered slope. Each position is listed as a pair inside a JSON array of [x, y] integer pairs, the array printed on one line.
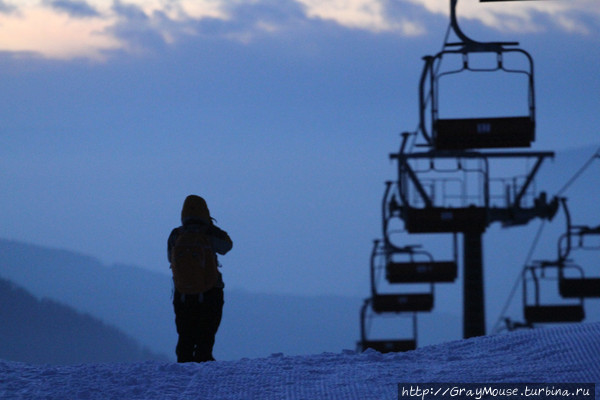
[[563, 354]]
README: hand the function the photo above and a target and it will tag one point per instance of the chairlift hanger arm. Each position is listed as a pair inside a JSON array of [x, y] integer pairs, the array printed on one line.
[[528, 181], [403, 166], [468, 43], [415, 180], [567, 235], [374, 253], [423, 100]]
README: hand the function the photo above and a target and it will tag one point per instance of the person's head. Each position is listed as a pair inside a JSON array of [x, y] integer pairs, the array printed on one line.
[[195, 210]]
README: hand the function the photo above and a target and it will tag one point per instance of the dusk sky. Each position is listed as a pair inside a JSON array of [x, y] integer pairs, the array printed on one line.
[[281, 113]]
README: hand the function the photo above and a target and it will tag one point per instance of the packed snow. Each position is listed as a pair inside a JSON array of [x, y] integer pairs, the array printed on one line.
[[569, 353]]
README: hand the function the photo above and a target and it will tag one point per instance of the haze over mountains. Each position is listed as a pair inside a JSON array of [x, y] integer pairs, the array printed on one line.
[[137, 301]]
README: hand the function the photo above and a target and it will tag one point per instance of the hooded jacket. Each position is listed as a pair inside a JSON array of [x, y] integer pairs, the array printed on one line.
[[195, 214]]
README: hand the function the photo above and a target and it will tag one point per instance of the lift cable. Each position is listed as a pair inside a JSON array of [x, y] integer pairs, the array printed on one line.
[[578, 173]]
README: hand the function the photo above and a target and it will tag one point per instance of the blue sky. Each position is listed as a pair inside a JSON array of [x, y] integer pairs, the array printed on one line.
[[280, 113]]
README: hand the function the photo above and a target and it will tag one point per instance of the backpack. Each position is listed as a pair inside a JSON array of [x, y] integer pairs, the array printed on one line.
[[193, 262]]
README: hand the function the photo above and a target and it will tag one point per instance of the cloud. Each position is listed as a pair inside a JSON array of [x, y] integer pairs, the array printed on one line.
[[6, 8], [525, 16], [76, 9], [41, 30], [359, 14], [131, 12], [94, 28], [178, 9], [249, 20]]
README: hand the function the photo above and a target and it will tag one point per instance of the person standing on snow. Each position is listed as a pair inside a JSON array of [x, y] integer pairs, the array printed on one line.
[[198, 293]]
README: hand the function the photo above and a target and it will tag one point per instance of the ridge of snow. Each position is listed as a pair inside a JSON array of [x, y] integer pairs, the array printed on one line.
[[568, 353]]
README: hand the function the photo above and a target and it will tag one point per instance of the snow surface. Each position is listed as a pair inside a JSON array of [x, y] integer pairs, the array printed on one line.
[[569, 353]]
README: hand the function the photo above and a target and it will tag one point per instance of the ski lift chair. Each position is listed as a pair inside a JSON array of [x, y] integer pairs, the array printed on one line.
[[395, 302], [536, 312], [417, 266], [579, 286], [428, 218], [385, 345], [474, 133], [391, 304]]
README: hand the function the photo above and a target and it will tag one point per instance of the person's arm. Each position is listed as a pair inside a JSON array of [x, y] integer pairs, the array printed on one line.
[[221, 241], [171, 242]]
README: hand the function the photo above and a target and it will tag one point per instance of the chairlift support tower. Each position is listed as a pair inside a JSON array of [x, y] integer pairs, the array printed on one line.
[[416, 200], [463, 138]]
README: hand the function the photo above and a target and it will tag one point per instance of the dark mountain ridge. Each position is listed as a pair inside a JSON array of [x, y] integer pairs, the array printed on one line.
[[46, 332]]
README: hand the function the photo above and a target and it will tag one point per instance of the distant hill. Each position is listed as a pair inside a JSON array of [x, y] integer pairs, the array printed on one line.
[[135, 300], [138, 302], [46, 332]]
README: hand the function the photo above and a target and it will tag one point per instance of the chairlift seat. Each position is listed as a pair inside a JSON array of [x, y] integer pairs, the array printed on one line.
[[402, 302], [421, 271], [445, 219], [554, 313], [478, 133], [579, 287], [389, 346]]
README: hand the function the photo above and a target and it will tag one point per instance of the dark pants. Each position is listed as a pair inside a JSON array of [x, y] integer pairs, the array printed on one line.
[[197, 319]]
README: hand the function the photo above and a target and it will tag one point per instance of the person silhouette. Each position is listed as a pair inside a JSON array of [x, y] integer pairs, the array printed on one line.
[[198, 315]]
